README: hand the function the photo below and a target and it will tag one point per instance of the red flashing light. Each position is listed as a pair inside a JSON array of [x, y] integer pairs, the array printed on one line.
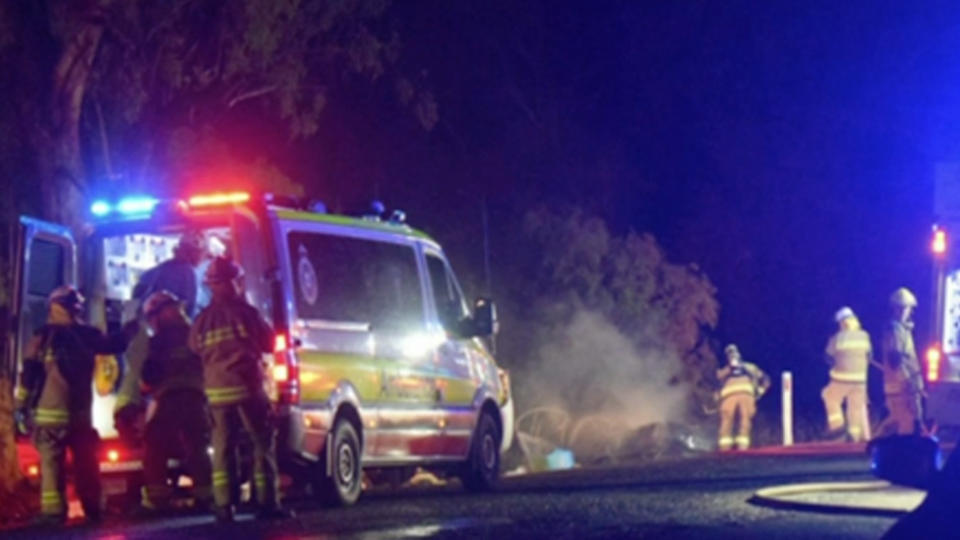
[[113, 456], [939, 245], [219, 199], [933, 364], [280, 343], [281, 373], [284, 370], [33, 471]]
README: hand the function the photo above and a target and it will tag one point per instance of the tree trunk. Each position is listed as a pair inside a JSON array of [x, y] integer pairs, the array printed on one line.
[[59, 160], [55, 136]]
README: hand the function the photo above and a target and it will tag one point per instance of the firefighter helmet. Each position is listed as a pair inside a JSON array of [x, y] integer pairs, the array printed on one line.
[[157, 301], [222, 269], [844, 313], [69, 297], [731, 350], [902, 297]]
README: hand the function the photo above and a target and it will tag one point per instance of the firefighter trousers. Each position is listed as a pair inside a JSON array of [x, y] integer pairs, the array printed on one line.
[[52, 444], [255, 416], [904, 412], [740, 404], [179, 428], [854, 396]]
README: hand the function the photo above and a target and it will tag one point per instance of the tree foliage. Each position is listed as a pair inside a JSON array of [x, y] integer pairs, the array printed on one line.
[[572, 263], [105, 86]]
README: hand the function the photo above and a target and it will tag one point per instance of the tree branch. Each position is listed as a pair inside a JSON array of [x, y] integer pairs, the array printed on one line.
[[251, 95]]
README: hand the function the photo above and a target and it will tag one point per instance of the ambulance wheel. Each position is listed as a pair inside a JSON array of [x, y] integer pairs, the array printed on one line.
[[482, 469], [343, 486]]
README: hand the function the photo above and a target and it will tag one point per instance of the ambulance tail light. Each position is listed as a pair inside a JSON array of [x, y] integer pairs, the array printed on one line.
[[284, 370], [933, 364]]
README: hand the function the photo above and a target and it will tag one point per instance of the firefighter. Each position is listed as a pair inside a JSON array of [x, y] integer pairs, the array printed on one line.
[[173, 375], [230, 336], [742, 384], [56, 393], [902, 378], [848, 354], [178, 276]]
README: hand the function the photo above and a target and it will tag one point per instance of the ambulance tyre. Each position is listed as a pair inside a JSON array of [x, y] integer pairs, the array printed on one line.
[[482, 468], [343, 486]]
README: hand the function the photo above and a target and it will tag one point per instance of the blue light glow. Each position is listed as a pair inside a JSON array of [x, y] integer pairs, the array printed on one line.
[[100, 208], [136, 205]]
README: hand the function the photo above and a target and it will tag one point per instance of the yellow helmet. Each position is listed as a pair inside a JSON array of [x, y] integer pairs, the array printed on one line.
[[902, 297]]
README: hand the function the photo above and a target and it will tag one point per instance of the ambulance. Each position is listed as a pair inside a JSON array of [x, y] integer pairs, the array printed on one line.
[[379, 365], [941, 363]]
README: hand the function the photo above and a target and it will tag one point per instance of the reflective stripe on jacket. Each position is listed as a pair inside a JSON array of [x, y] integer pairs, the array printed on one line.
[[745, 379], [230, 336], [850, 351]]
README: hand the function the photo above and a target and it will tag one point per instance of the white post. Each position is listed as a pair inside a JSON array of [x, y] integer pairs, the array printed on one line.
[[786, 383]]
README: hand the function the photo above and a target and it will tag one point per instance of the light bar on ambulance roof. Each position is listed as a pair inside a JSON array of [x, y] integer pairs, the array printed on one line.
[[128, 206], [218, 199]]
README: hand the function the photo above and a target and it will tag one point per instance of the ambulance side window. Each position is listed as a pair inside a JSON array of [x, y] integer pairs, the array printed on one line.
[[45, 273], [46, 267], [347, 279], [446, 296]]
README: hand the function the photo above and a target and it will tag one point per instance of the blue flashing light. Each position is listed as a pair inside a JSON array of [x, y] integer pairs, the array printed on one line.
[[100, 208], [136, 205]]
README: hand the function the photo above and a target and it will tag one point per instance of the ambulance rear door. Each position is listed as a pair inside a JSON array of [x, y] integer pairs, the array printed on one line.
[[45, 258]]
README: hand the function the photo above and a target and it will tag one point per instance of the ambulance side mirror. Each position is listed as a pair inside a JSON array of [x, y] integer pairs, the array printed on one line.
[[484, 318]]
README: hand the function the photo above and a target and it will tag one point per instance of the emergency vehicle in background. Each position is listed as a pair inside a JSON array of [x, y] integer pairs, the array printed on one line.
[[373, 335], [942, 356]]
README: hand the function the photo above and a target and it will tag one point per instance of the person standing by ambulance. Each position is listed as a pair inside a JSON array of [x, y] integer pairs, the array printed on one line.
[[848, 353], [230, 336], [179, 426], [742, 384], [902, 378], [56, 394]]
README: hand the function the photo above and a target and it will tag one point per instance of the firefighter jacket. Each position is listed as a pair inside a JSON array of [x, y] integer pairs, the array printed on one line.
[[745, 378], [57, 377], [901, 369], [230, 337], [849, 352], [170, 364]]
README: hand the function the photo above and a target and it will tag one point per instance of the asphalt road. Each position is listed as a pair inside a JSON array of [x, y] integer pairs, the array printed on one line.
[[705, 497]]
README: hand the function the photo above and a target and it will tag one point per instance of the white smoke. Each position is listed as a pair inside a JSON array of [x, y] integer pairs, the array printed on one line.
[[606, 386]]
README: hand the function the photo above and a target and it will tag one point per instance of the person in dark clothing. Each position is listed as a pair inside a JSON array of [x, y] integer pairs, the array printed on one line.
[[179, 426], [56, 391]]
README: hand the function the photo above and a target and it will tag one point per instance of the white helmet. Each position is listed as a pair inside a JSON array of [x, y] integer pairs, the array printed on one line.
[[902, 297], [844, 313]]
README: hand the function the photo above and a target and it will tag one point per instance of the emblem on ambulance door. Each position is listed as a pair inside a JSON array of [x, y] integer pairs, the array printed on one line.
[[307, 278], [106, 374]]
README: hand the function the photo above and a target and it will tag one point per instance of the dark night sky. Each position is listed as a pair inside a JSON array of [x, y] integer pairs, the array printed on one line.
[[787, 149]]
